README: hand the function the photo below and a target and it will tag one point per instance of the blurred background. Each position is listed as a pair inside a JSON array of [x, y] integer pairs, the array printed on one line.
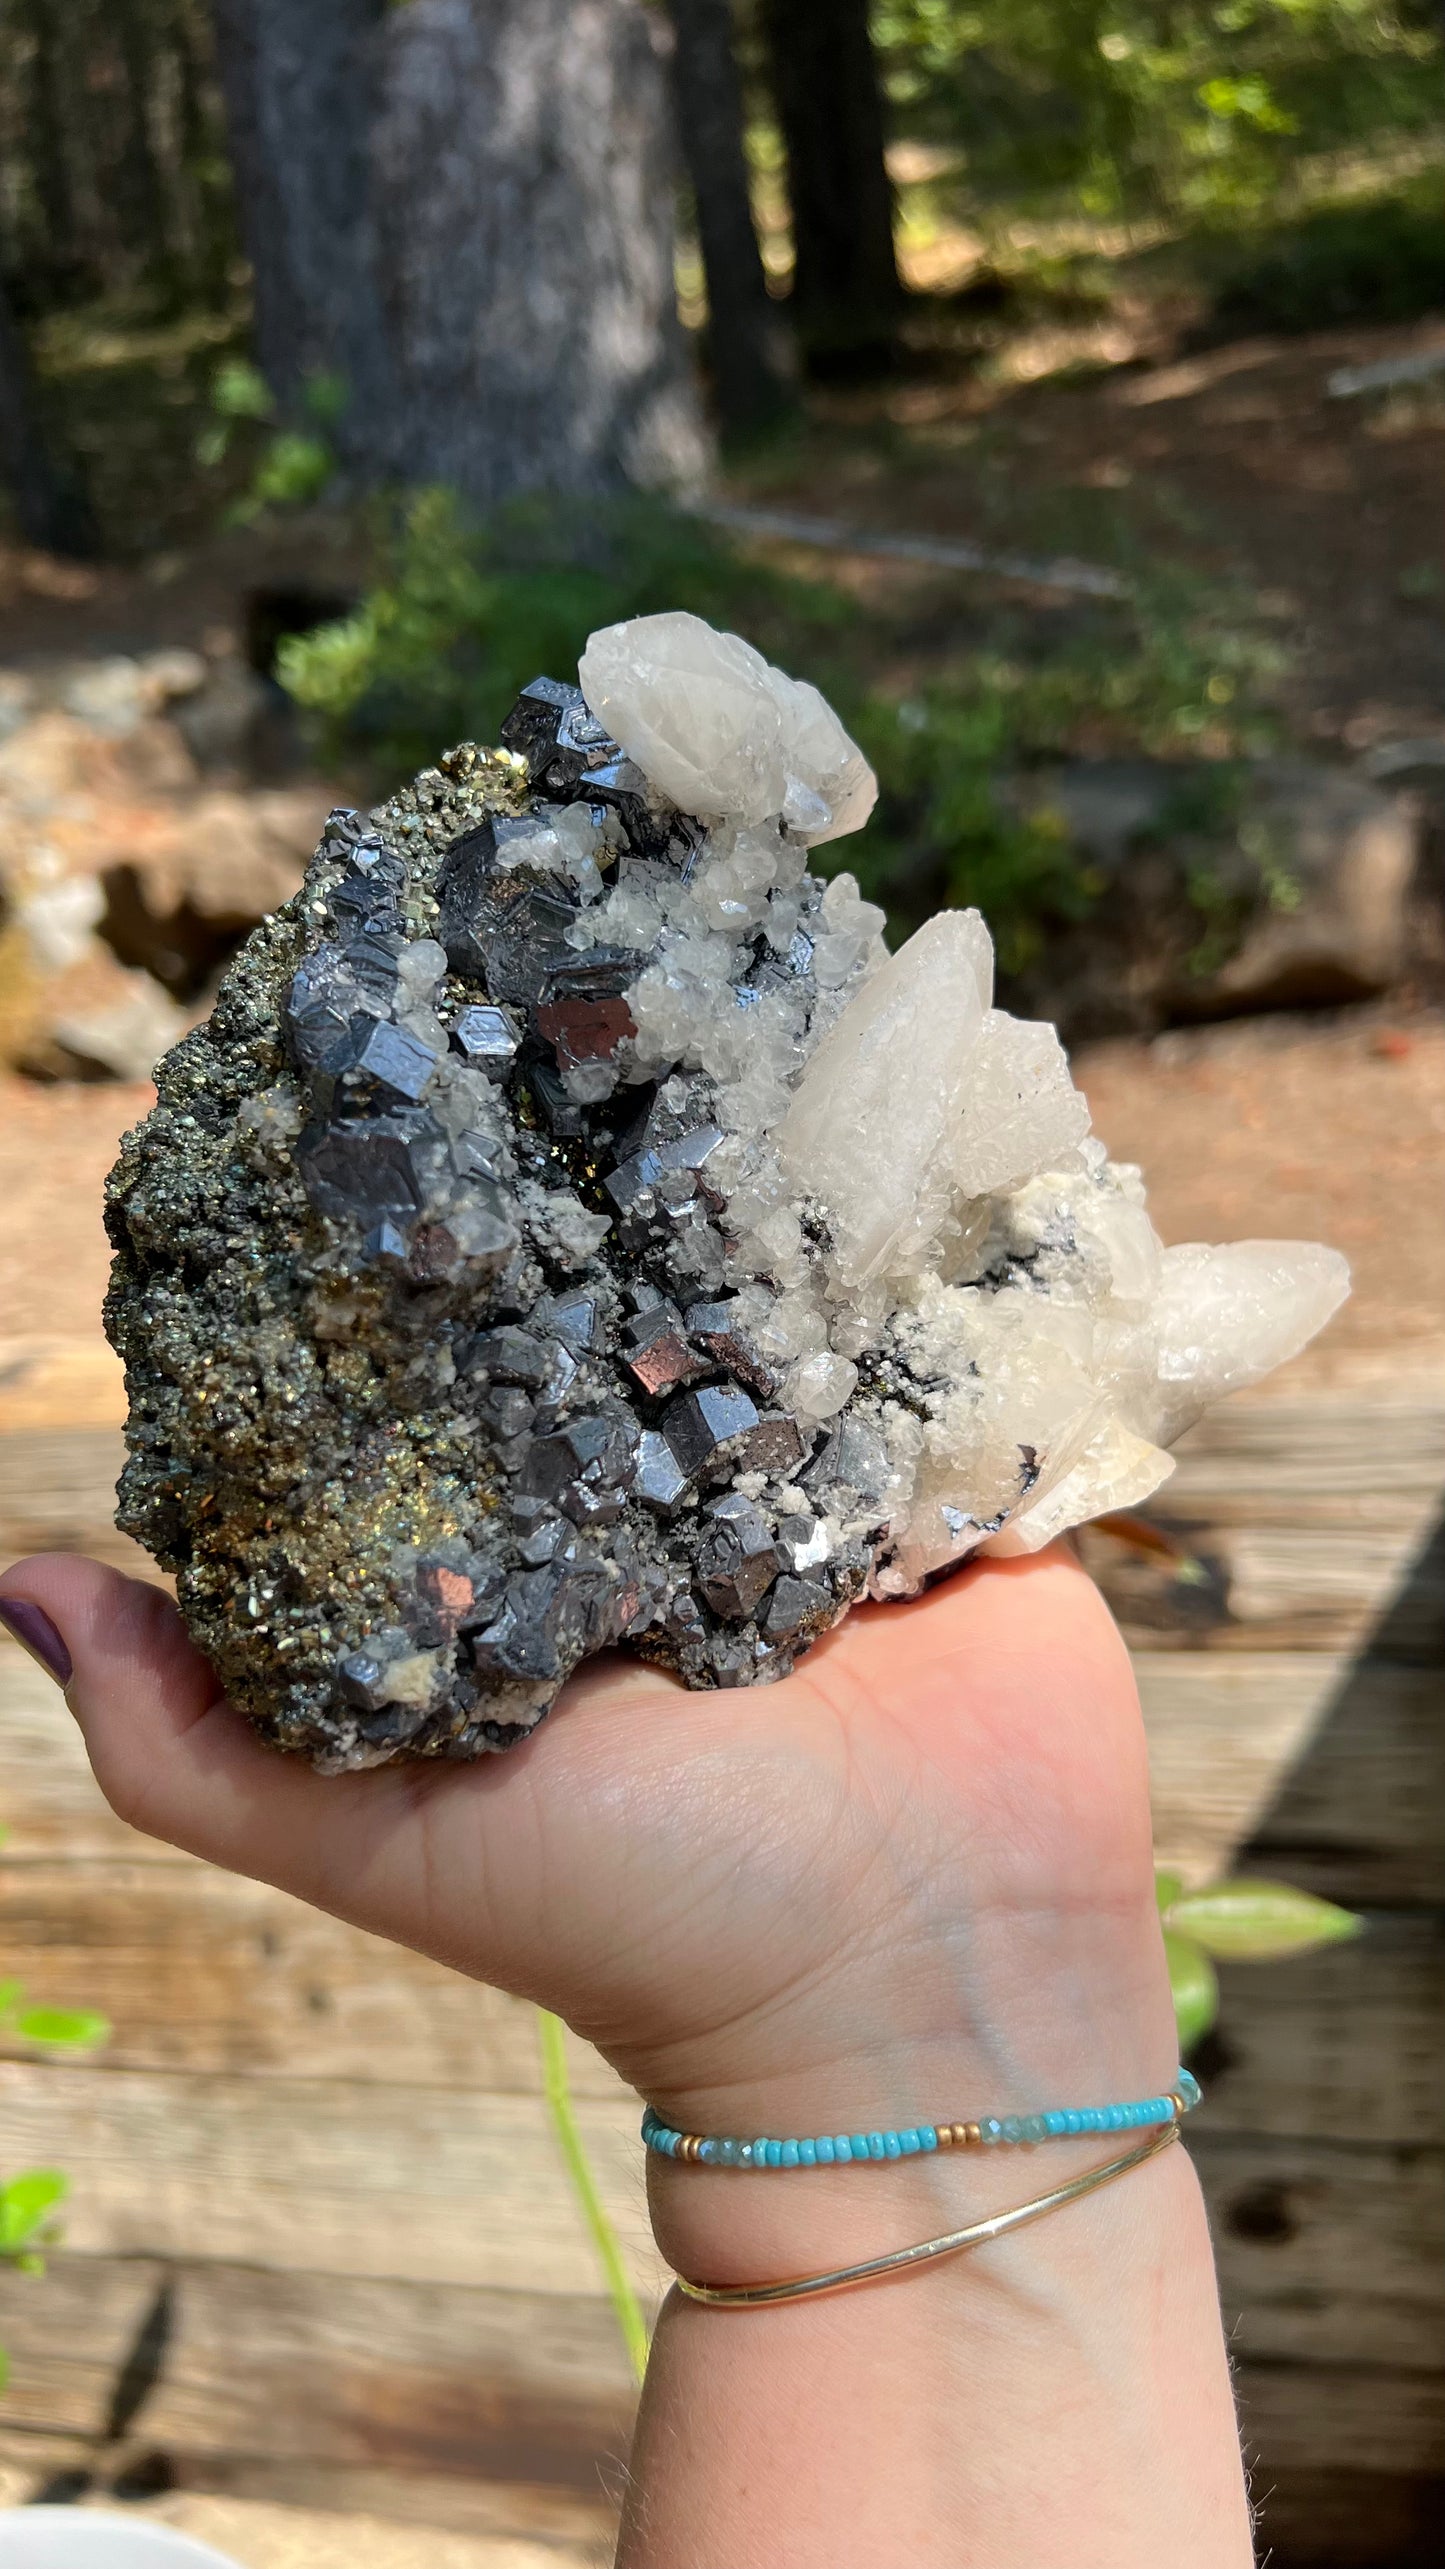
[[1061, 385]]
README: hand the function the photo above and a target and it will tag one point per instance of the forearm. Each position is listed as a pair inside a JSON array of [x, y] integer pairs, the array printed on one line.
[[1059, 2396]]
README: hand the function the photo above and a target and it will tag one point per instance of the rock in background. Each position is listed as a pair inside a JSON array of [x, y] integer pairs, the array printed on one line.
[[1222, 890], [134, 856]]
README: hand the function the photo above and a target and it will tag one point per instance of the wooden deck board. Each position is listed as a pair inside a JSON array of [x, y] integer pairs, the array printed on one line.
[[331, 2155]]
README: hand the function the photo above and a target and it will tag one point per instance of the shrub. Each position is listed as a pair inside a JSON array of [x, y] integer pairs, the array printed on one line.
[[463, 614], [1376, 259]]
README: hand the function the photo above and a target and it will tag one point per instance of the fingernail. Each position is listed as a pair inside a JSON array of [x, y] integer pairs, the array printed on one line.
[[36, 1633]]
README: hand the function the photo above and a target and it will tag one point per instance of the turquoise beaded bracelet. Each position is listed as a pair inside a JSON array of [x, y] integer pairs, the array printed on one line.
[[838, 2149]]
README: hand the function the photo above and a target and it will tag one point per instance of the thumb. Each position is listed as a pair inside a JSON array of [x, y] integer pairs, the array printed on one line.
[[170, 1754]]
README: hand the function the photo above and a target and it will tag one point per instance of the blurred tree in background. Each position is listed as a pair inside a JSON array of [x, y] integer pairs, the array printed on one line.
[[750, 357], [113, 171], [457, 219], [464, 217]]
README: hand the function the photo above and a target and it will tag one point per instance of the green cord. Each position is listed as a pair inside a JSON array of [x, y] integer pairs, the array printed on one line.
[[557, 2088]]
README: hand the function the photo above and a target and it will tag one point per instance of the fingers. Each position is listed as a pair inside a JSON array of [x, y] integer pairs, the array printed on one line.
[[171, 1756], [424, 1853]]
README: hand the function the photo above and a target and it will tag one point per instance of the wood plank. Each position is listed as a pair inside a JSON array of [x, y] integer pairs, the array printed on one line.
[[302, 2368], [1328, 2253], [1319, 1454], [563, 2528], [203, 1971], [327, 2175], [50, 1801], [1347, 2468], [1349, 1750], [1343, 2044], [1333, 1763], [57, 1494], [1223, 1734], [50, 1382], [1273, 1586]]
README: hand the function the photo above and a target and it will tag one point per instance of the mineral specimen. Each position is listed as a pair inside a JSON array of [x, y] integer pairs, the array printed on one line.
[[573, 1228]]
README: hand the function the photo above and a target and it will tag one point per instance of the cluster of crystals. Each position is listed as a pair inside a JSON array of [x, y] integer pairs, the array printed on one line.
[[767, 1268]]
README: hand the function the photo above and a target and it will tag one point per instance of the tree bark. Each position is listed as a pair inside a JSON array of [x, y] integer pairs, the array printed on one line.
[[464, 209], [50, 508], [750, 356], [846, 290], [526, 203], [300, 80]]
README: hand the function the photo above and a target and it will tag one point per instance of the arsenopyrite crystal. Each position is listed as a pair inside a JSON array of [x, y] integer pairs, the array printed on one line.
[[573, 1228]]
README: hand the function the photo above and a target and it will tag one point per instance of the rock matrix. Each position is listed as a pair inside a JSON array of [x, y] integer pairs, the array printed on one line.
[[573, 1228]]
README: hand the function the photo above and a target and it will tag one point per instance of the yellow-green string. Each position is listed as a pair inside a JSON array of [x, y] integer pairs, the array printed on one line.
[[557, 2088]]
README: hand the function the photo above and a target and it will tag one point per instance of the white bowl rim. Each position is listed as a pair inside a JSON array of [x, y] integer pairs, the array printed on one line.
[[163, 2541]]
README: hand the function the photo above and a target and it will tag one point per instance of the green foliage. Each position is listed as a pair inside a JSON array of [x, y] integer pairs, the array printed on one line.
[[1179, 107], [1242, 1921], [463, 614], [57, 2028], [1374, 258], [1235, 1921], [294, 465], [567, 2132], [28, 2200], [26, 2204]]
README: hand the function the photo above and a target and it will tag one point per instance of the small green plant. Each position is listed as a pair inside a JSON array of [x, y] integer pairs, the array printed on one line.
[[28, 2200], [295, 464], [561, 2107], [1235, 1921]]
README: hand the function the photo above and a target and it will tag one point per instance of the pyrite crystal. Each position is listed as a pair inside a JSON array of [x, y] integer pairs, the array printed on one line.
[[573, 1228]]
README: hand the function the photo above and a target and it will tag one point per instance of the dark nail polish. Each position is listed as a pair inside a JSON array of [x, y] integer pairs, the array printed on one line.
[[36, 1633]]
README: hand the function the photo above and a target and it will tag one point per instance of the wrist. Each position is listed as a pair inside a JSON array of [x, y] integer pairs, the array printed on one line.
[[1101, 2041]]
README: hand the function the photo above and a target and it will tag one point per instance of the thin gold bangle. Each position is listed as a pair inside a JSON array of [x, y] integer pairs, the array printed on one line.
[[901, 2261]]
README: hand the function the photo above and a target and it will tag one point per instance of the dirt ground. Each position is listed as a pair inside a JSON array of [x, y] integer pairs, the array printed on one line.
[[1237, 458], [1277, 1127]]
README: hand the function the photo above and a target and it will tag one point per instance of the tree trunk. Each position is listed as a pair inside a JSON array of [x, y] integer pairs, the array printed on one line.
[[300, 80], [846, 290], [464, 208], [50, 508], [47, 153], [748, 348], [525, 203]]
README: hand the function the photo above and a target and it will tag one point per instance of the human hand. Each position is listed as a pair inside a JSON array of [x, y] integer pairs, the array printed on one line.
[[912, 1881], [913, 1878]]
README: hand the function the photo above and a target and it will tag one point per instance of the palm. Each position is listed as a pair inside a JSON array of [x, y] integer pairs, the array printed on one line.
[[710, 1886]]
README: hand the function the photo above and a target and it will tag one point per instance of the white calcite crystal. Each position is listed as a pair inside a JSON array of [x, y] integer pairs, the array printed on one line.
[[721, 732], [925, 1238]]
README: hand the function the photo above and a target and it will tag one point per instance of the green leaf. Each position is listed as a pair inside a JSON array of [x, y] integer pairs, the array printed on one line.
[[73, 2028], [1193, 1987], [240, 391], [1257, 1921], [1167, 1887], [66, 2028], [25, 2204]]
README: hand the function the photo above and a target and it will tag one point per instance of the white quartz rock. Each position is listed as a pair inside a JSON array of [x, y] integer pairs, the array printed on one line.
[[1226, 1316], [872, 1126], [1117, 1469], [723, 733], [1021, 1112]]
